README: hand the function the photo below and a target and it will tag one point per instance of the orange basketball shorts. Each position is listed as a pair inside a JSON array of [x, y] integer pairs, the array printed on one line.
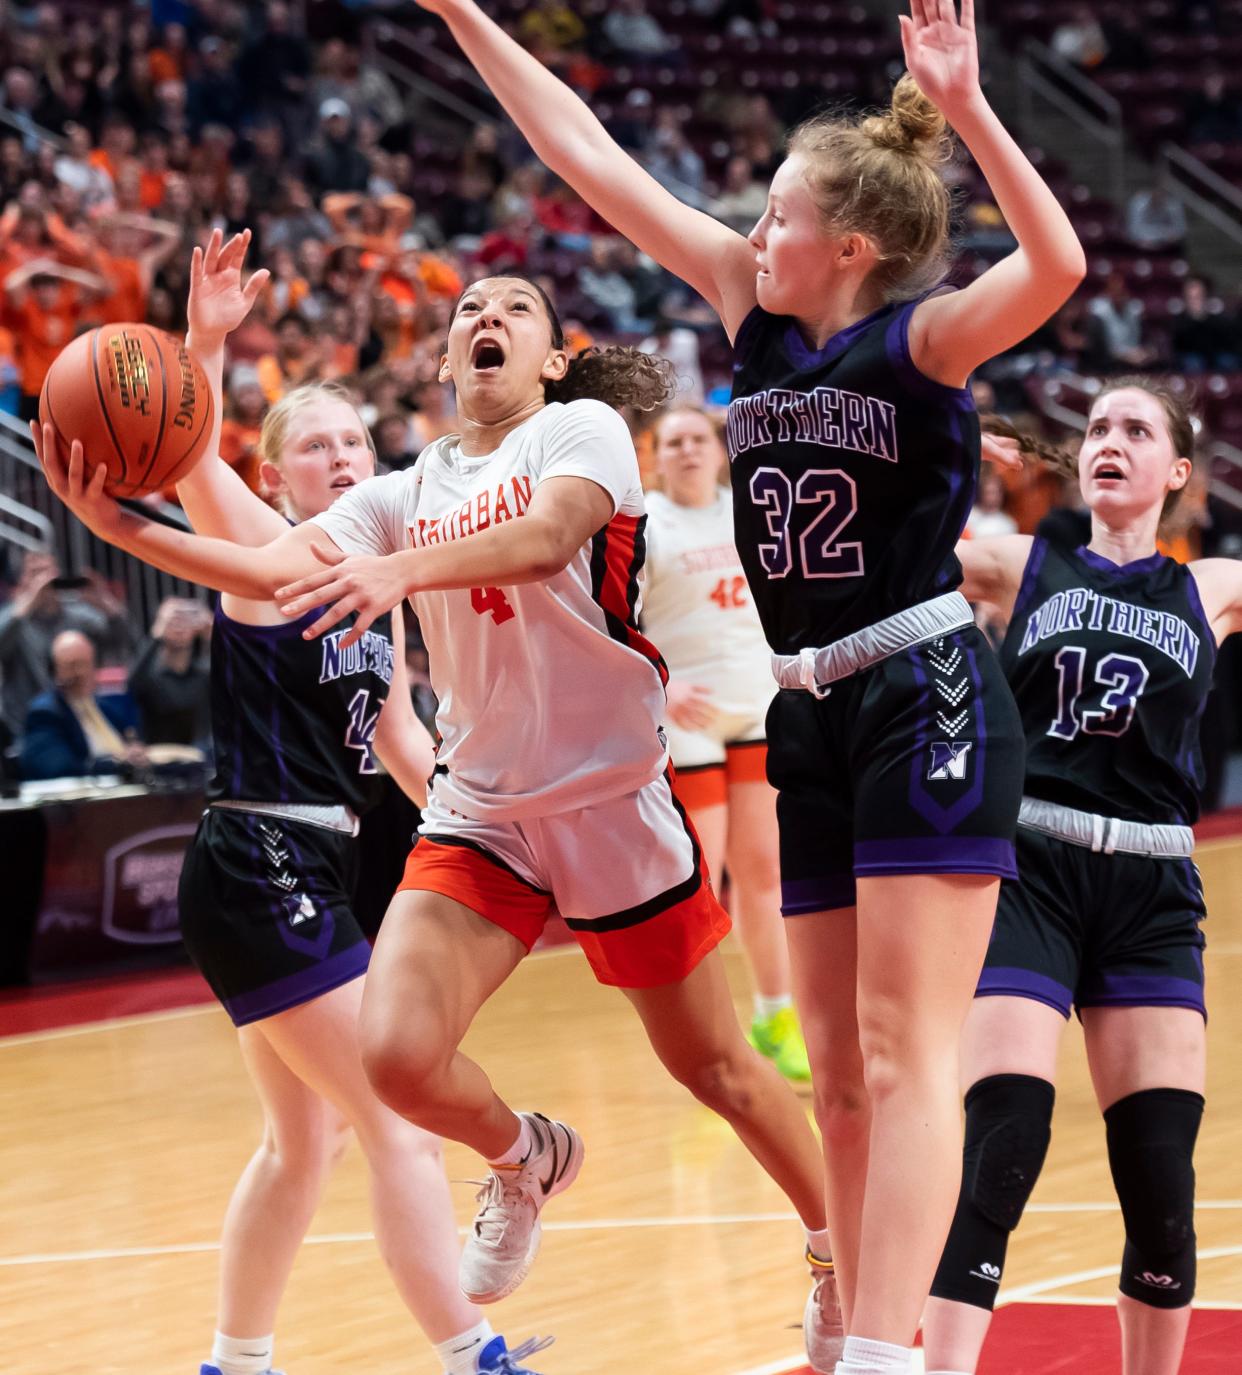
[[627, 875]]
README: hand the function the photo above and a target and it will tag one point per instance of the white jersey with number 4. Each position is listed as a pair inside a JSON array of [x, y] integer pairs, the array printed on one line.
[[550, 698], [698, 609]]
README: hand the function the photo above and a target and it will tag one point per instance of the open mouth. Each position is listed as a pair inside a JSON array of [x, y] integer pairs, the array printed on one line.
[[340, 483], [1109, 472], [487, 356]]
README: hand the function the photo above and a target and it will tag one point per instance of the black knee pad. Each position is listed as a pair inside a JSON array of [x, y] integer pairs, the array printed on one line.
[[1008, 1126], [1151, 1143]]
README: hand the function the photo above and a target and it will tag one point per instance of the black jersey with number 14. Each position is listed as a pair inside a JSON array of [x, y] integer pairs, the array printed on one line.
[[853, 475], [293, 720], [1111, 667]]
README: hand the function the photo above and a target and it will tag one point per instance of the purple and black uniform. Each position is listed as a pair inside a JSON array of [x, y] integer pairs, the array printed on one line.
[[265, 889], [853, 474], [1111, 668]]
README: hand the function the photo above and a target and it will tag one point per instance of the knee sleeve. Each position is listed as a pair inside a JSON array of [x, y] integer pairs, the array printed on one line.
[[1151, 1142], [1008, 1126]]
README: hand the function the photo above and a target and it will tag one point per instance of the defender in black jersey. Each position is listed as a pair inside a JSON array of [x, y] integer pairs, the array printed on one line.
[[1109, 651], [848, 386], [265, 888]]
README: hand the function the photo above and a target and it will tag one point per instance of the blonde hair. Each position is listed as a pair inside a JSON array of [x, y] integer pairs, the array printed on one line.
[[880, 176], [275, 429]]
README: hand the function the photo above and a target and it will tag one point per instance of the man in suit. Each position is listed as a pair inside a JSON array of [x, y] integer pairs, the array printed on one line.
[[70, 731]]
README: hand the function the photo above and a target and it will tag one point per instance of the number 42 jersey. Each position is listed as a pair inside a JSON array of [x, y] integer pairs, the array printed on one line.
[[1111, 667]]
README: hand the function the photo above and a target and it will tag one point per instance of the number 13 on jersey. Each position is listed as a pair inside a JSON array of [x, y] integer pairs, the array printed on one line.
[[822, 503]]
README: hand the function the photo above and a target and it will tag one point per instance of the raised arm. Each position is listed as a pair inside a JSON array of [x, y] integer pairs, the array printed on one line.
[[246, 572], [992, 568], [213, 496], [567, 138], [951, 335]]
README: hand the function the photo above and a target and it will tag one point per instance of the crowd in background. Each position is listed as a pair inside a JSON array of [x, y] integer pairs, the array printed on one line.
[[179, 116]]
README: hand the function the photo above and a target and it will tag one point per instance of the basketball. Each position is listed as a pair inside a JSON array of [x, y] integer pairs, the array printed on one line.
[[136, 400]]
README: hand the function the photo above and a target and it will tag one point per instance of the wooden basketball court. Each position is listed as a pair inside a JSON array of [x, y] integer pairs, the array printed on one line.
[[673, 1253]]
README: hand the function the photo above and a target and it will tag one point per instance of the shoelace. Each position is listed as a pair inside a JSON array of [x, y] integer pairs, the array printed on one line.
[[508, 1362], [494, 1196]]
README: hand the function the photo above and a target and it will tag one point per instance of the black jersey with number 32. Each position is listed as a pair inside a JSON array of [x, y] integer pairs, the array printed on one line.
[[1111, 666], [853, 475], [293, 720]]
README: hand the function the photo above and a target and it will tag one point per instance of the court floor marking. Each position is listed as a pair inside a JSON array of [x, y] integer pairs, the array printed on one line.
[[602, 1224]]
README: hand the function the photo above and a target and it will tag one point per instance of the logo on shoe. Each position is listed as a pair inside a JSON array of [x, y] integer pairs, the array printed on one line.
[[987, 1271], [554, 1172], [1158, 1281]]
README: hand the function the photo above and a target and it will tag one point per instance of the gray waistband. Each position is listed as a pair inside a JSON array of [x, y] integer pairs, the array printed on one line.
[[814, 670], [340, 819], [1106, 834]]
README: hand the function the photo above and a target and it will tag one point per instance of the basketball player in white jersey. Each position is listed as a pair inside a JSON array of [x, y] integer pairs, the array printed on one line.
[[520, 543], [698, 609]]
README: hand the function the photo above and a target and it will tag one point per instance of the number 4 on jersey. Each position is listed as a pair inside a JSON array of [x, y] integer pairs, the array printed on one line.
[[360, 733], [485, 599]]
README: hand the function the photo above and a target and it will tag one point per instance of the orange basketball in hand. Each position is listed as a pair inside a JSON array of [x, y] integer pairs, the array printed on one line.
[[137, 401]]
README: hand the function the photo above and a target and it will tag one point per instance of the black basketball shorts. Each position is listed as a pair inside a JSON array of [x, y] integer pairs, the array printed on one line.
[[1096, 930], [265, 911], [913, 766]]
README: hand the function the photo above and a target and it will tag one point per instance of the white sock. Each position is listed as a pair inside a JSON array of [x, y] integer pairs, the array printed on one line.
[[865, 1357], [460, 1354], [242, 1355], [520, 1149], [819, 1243], [769, 1007]]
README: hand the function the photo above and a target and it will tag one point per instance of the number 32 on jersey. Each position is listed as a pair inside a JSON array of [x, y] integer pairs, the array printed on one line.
[[821, 504]]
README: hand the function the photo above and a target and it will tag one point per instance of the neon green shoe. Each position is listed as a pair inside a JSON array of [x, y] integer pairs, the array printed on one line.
[[779, 1038]]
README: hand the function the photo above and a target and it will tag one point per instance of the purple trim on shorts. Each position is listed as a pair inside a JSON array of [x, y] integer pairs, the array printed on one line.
[[802, 895], [938, 816], [1143, 990], [936, 855], [1030, 577], [313, 947], [1008, 981], [295, 989]]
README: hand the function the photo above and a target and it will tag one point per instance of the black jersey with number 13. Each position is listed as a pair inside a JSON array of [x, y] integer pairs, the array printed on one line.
[[853, 475], [1110, 666]]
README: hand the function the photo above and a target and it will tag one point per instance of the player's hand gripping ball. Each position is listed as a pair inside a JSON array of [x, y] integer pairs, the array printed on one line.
[[137, 401]]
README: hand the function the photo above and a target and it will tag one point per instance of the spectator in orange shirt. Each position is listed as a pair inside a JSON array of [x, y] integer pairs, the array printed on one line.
[[131, 249], [374, 224], [43, 302], [116, 146], [297, 358]]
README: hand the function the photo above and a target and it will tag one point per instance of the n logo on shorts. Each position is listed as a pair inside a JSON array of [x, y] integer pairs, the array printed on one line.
[[948, 759]]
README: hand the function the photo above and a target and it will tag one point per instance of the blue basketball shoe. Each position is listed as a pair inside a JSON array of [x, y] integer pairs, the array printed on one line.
[[497, 1359]]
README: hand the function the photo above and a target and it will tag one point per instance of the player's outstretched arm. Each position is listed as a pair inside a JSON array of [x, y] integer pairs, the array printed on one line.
[[246, 572], [717, 262], [951, 335], [563, 514], [215, 499], [404, 746], [992, 568]]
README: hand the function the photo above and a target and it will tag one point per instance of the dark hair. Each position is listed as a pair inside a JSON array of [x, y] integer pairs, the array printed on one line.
[[1060, 459], [616, 375]]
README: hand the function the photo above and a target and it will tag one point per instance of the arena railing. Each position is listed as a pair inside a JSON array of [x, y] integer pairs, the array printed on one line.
[[38, 520], [1204, 190], [1096, 113]]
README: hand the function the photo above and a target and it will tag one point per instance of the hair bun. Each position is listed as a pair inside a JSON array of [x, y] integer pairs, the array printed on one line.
[[911, 124]]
